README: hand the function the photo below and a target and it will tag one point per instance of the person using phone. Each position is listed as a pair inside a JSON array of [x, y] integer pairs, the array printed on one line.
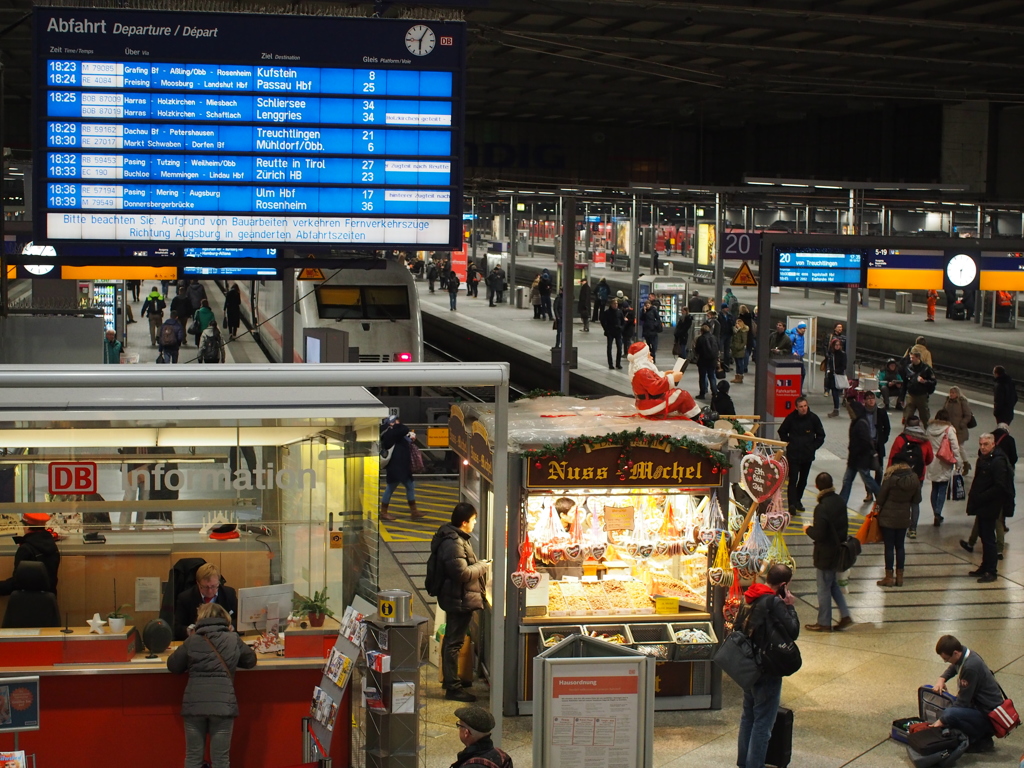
[[828, 531]]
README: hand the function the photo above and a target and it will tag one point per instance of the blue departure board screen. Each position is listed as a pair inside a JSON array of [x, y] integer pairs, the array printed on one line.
[[822, 268], [219, 130]]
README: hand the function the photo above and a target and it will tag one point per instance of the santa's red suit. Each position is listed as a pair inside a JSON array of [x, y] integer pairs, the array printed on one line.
[[657, 397]]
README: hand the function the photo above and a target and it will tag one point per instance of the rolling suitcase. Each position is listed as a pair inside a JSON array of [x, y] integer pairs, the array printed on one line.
[[936, 747], [780, 745], [929, 707], [958, 311]]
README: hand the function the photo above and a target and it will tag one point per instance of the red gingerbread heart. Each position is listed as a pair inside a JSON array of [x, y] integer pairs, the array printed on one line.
[[762, 476]]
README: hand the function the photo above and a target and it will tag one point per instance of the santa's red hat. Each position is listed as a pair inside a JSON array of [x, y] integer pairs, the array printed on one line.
[[638, 348]]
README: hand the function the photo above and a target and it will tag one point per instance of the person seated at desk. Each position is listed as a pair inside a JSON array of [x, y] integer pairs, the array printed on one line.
[[36, 545], [207, 589]]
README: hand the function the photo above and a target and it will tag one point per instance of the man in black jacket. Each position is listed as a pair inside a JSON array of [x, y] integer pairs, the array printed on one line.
[[804, 434], [475, 725], [770, 602], [462, 592], [779, 343], [880, 429], [706, 350], [920, 383], [209, 588], [991, 495], [861, 457], [36, 545], [682, 333], [611, 322], [1004, 396], [828, 531]]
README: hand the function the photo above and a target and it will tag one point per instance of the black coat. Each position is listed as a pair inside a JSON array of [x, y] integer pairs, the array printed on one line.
[[1006, 443], [805, 436], [706, 349], [465, 577], [399, 469], [186, 607], [722, 403], [992, 492], [233, 308], [211, 688], [583, 301], [683, 326], [915, 387], [36, 545], [860, 450], [650, 322], [1005, 397], [829, 529], [611, 321], [882, 430]]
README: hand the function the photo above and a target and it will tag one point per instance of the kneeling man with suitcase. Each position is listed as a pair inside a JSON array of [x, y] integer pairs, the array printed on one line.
[[978, 694]]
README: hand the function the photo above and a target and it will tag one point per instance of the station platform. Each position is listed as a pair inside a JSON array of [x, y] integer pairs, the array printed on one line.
[[853, 683], [879, 330]]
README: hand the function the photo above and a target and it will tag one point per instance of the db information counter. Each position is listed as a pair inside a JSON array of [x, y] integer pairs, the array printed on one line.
[[271, 484]]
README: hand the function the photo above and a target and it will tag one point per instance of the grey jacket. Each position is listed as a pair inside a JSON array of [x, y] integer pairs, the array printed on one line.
[[978, 686], [465, 577], [211, 689]]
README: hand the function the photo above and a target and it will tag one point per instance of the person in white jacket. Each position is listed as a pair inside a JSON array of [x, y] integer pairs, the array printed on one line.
[[940, 471]]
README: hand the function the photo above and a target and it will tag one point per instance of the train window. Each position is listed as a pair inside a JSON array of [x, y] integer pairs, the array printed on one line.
[[386, 302], [339, 302]]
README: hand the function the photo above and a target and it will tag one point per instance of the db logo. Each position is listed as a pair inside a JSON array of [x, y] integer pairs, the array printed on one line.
[[447, 40], [72, 477]]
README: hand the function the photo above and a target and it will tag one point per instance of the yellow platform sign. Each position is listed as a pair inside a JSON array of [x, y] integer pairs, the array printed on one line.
[[311, 273], [744, 277]]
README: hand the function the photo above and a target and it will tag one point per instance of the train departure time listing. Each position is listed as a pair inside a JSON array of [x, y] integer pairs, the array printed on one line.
[[266, 132]]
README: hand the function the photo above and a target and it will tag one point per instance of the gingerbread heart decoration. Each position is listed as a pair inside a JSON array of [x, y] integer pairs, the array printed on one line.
[[532, 580], [518, 579], [598, 550], [573, 551], [762, 476]]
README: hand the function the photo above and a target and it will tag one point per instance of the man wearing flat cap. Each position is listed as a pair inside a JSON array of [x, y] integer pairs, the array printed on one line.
[[36, 545], [475, 725]]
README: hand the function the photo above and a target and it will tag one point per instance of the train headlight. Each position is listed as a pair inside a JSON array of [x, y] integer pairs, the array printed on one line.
[[403, 357]]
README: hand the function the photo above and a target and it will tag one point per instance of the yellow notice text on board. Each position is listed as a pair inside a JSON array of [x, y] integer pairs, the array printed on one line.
[[664, 606]]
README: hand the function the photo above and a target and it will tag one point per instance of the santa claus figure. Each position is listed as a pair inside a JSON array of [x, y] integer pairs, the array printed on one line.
[[657, 393]]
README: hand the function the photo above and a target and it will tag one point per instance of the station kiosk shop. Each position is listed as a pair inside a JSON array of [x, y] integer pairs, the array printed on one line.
[[273, 485], [611, 522]]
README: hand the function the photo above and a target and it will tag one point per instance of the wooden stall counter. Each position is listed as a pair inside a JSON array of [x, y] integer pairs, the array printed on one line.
[[93, 710]]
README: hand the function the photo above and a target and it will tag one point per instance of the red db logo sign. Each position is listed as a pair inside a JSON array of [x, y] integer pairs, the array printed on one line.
[[72, 477]]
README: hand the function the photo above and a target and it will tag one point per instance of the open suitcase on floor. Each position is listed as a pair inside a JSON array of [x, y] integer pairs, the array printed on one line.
[[930, 705]]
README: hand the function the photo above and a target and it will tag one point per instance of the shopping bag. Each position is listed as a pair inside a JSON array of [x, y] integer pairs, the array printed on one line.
[[957, 489], [840, 381], [870, 532]]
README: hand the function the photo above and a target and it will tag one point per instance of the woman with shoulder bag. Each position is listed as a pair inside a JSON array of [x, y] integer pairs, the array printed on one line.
[[835, 373], [961, 417], [946, 447], [901, 489], [211, 655]]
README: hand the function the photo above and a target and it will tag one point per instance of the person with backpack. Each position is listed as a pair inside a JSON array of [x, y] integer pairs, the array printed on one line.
[[183, 307], [397, 440], [768, 609], [828, 531], [211, 345], [37, 545], [475, 725], [171, 337], [459, 581], [651, 327], [153, 308], [453, 289], [601, 295], [913, 448], [432, 275], [901, 492], [201, 320], [978, 693]]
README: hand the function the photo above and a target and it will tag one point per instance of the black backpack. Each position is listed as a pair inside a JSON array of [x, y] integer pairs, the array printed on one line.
[[912, 455], [434, 579], [210, 352], [168, 335]]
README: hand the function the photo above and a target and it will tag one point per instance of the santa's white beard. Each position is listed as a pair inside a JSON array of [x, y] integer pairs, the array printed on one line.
[[639, 363]]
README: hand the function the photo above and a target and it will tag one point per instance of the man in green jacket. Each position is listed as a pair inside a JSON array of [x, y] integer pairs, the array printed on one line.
[[112, 348]]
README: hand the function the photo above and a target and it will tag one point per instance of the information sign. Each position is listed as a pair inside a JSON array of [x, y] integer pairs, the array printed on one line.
[[232, 129], [902, 269], [19, 704], [836, 269], [741, 245]]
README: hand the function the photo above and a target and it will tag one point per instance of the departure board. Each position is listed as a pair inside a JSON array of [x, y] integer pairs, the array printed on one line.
[[217, 130], [820, 267]]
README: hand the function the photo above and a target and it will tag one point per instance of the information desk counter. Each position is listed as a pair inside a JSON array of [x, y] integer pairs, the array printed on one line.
[[94, 714]]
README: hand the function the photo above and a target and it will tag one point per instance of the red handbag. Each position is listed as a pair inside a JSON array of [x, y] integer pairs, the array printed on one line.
[[1004, 718]]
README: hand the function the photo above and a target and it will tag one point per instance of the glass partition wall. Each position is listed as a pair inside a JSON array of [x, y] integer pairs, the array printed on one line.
[[130, 500]]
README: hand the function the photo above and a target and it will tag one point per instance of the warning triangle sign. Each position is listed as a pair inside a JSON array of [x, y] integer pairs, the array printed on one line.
[[744, 276], [313, 273]]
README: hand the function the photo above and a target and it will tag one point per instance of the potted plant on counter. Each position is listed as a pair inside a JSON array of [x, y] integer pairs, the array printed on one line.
[[117, 619], [314, 607]]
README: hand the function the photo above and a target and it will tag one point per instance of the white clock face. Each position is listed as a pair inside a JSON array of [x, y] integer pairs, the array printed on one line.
[[39, 269], [420, 40], [961, 270]]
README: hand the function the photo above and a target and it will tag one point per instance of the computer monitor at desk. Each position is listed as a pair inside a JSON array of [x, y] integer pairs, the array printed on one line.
[[258, 604]]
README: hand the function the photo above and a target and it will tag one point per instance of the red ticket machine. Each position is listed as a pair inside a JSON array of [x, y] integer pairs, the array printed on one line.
[[785, 383]]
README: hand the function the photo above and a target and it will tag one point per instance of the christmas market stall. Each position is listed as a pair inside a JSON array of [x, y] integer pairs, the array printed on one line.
[[618, 528]]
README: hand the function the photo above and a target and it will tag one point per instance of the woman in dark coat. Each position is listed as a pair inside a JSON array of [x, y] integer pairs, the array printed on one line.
[[901, 489], [210, 655], [398, 439], [233, 310], [835, 364]]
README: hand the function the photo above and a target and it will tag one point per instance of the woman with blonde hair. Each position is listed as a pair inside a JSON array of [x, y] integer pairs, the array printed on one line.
[[960, 417], [940, 471], [211, 655]]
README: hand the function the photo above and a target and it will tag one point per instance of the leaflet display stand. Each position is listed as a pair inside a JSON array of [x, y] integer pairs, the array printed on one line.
[[593, 705], [393, 693]]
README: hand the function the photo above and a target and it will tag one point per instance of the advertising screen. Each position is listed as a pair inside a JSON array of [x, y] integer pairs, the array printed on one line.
[[214, 130], [809, 267]]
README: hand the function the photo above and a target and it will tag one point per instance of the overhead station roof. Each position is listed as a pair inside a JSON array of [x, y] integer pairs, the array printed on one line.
[[661, 62]]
